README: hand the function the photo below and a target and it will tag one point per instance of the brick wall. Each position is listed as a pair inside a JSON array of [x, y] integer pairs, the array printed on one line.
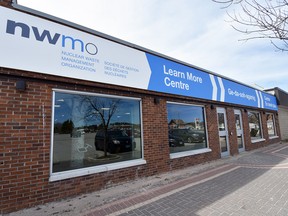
[[25, 125], [156, 150], [6, 3], [212, 129], [232, 131]]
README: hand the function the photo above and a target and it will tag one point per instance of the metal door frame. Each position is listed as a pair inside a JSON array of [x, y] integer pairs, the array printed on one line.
[[238, 112], [223, 133]]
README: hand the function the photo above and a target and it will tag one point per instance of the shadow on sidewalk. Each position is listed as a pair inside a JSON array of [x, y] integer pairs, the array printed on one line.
[[247, 189]]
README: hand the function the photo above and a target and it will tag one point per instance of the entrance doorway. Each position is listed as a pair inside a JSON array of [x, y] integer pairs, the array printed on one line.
[[223, 132], [239, 129]]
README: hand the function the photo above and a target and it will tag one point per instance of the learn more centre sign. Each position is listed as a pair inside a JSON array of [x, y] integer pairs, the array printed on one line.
[[38, 45]]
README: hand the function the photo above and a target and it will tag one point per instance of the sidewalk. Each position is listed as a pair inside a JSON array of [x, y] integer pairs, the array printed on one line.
[[252, 183]]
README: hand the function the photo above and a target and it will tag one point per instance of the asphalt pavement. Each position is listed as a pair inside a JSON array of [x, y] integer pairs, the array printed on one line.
[[252, 183]]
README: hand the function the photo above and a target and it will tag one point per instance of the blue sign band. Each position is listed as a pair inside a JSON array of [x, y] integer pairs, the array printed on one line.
[[174, 78]]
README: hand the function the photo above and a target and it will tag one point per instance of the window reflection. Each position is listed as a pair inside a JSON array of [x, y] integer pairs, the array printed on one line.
[[238, 122], [221, 122], [223, 144], [255, 125], [271, 125], [186, 125], [91, 130], [240, 142]]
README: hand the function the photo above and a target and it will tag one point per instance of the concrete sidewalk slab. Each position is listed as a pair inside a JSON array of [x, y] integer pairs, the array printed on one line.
[[253, 183]]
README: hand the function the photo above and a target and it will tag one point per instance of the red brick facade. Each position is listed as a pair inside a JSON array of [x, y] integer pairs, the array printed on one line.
[[6, 3], [25, 142], [25, 127]]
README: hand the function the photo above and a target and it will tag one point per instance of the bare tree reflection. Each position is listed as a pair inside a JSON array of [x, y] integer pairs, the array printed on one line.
[[103, 110]]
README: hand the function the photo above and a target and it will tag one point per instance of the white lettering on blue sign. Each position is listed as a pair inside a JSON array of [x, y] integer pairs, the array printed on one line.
[[241, 94], [268, 103], [193, 78], [174, 73], [180, 75]]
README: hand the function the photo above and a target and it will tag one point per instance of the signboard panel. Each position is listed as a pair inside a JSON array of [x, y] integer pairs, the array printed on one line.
[[38, 45], [171, 77]]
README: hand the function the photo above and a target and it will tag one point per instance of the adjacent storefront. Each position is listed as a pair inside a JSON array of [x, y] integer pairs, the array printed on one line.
[[82, 111], [282, 101]]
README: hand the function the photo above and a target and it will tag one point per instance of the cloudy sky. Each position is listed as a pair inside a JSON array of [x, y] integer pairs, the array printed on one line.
[[196, 32]]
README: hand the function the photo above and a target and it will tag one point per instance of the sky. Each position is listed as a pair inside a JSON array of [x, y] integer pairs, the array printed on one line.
[[196, 32]]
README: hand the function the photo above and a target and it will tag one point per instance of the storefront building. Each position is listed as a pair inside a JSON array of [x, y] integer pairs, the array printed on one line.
[[81, 111], [282, 101]]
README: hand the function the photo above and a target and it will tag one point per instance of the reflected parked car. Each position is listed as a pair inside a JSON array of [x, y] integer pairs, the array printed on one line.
[[175, 141], [188, 135], [118, 141]]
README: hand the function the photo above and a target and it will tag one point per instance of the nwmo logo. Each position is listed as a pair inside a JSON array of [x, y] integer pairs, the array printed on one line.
[[66, 41]]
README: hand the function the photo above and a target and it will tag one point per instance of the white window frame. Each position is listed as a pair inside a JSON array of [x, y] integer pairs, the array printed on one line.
[[94, 169], [197, 151], [261, 126], [274, 125]]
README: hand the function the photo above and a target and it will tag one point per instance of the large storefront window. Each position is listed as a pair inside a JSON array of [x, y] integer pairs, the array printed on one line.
[[255, 125], [94, 130], [271, 125], [186, 125]]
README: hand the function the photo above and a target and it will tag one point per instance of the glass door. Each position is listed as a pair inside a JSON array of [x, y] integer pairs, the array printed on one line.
[[223, 132], [239, 129]]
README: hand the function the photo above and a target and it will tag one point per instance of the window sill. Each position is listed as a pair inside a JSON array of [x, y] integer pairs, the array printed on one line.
[[93, 170], [189, 153], [273, 137], [257, 140]]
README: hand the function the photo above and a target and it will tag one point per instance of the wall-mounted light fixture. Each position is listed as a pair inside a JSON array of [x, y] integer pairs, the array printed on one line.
[[21, 85], [245, 110], [212, 106]]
